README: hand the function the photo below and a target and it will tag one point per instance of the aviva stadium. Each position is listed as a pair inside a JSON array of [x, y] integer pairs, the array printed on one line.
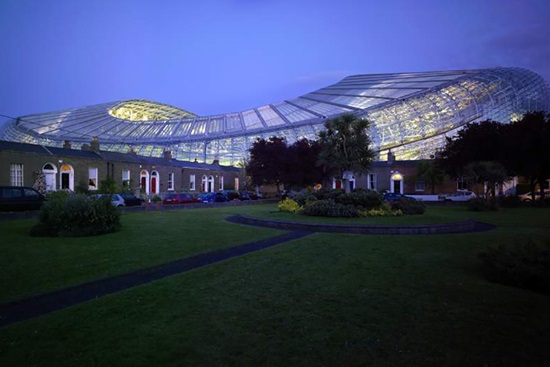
[[411, 114]]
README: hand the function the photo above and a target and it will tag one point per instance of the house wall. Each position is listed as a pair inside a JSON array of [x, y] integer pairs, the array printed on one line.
[[34, 162]]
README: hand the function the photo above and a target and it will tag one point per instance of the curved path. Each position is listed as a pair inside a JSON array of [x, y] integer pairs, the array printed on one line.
[[53, 301], [465, 226]]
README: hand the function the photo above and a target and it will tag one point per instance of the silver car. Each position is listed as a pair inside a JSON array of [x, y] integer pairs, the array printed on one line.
[[460, 196]]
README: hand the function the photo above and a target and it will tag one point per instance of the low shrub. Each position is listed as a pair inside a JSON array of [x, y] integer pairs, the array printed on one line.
[[303, 198], [381, 212], [481, 204], [290, 206], [525, 265], [409, 206], [509, 201], [329, 208], [76, 216], [362, 199]]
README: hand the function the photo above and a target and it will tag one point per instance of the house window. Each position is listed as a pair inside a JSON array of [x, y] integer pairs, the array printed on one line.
[[171, 181], [126, 178], [237, 183], [371, 181], [461, 184], [16, 174], [419, 186], [221, 182], [192, 183], [92, 178]]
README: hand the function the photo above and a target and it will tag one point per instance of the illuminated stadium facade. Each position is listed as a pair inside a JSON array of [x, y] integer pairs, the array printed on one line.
[[411, 114]]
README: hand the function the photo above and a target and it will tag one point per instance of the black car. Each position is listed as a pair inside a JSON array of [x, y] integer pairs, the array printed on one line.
[[132, 200], [231, 195], [16, 198]]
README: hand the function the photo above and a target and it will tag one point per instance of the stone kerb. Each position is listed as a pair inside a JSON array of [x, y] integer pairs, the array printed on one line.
[[465, 226]]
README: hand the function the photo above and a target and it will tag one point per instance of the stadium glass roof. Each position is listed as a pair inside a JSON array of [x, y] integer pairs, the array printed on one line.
[[411, 114]]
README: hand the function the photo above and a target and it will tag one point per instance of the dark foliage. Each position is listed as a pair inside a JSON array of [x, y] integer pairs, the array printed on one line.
[[329, 208], [409, 206], [509, 202], [76, 216], [302, 169], [346, 146], [362, 199], [481, 205], [524, 265], [274, 162]]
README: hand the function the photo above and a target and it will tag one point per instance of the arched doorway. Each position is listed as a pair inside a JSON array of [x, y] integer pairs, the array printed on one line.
[[396, 183], [211, 184], [155, 182], [144, 181], [67, 177], [50, 173]]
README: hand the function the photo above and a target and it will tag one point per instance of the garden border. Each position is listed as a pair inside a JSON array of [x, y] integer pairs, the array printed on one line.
[[466, 226]]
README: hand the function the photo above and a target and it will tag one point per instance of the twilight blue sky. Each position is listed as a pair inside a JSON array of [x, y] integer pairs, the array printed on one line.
[[213, 57]]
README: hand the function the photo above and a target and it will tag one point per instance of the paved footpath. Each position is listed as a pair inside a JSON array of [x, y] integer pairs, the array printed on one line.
[[27, 308]]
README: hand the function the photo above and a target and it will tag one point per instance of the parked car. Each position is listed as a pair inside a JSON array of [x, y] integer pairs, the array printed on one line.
[[132, 200], [460, 196], [249, 195], [116, 199], [180, 198], [214, 197], [231, 195], [528, 197], [16, 198], [393, 196]]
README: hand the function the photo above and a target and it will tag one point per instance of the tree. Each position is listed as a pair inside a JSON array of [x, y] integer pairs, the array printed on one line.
[[302, 169], [431, 172], [529, 155], [483, 141], [346, 146], [489, 173], [267, 162]]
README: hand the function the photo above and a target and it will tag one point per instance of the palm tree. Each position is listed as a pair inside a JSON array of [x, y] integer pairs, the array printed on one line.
[[345, 146]]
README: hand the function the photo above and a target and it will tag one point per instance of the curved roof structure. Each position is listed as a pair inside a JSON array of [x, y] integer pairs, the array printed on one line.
[[411, 114]]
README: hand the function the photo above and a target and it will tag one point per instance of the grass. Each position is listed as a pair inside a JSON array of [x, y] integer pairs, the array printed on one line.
[[31, 265], [326, 299]]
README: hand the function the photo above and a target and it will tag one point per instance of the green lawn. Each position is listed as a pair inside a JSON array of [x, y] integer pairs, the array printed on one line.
[[32, 265], [326, 299]]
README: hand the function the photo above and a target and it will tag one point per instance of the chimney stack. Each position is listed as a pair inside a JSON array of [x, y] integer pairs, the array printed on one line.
[[94, 145]]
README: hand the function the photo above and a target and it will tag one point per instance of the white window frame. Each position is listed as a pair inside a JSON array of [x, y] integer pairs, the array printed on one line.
[[221, 183], [16, 174], [171, 181], [93, 181], [126, 178], [236, 184], [192, 183], [371, 181], [420, 185]]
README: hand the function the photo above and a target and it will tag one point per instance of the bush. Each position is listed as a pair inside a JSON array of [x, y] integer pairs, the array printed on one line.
[[510, 201], [523, 265], [290, 206], [362, 199], [76, 216], [481, 204], [329, 208], [409, 206], [381, 212], [303, 198]]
